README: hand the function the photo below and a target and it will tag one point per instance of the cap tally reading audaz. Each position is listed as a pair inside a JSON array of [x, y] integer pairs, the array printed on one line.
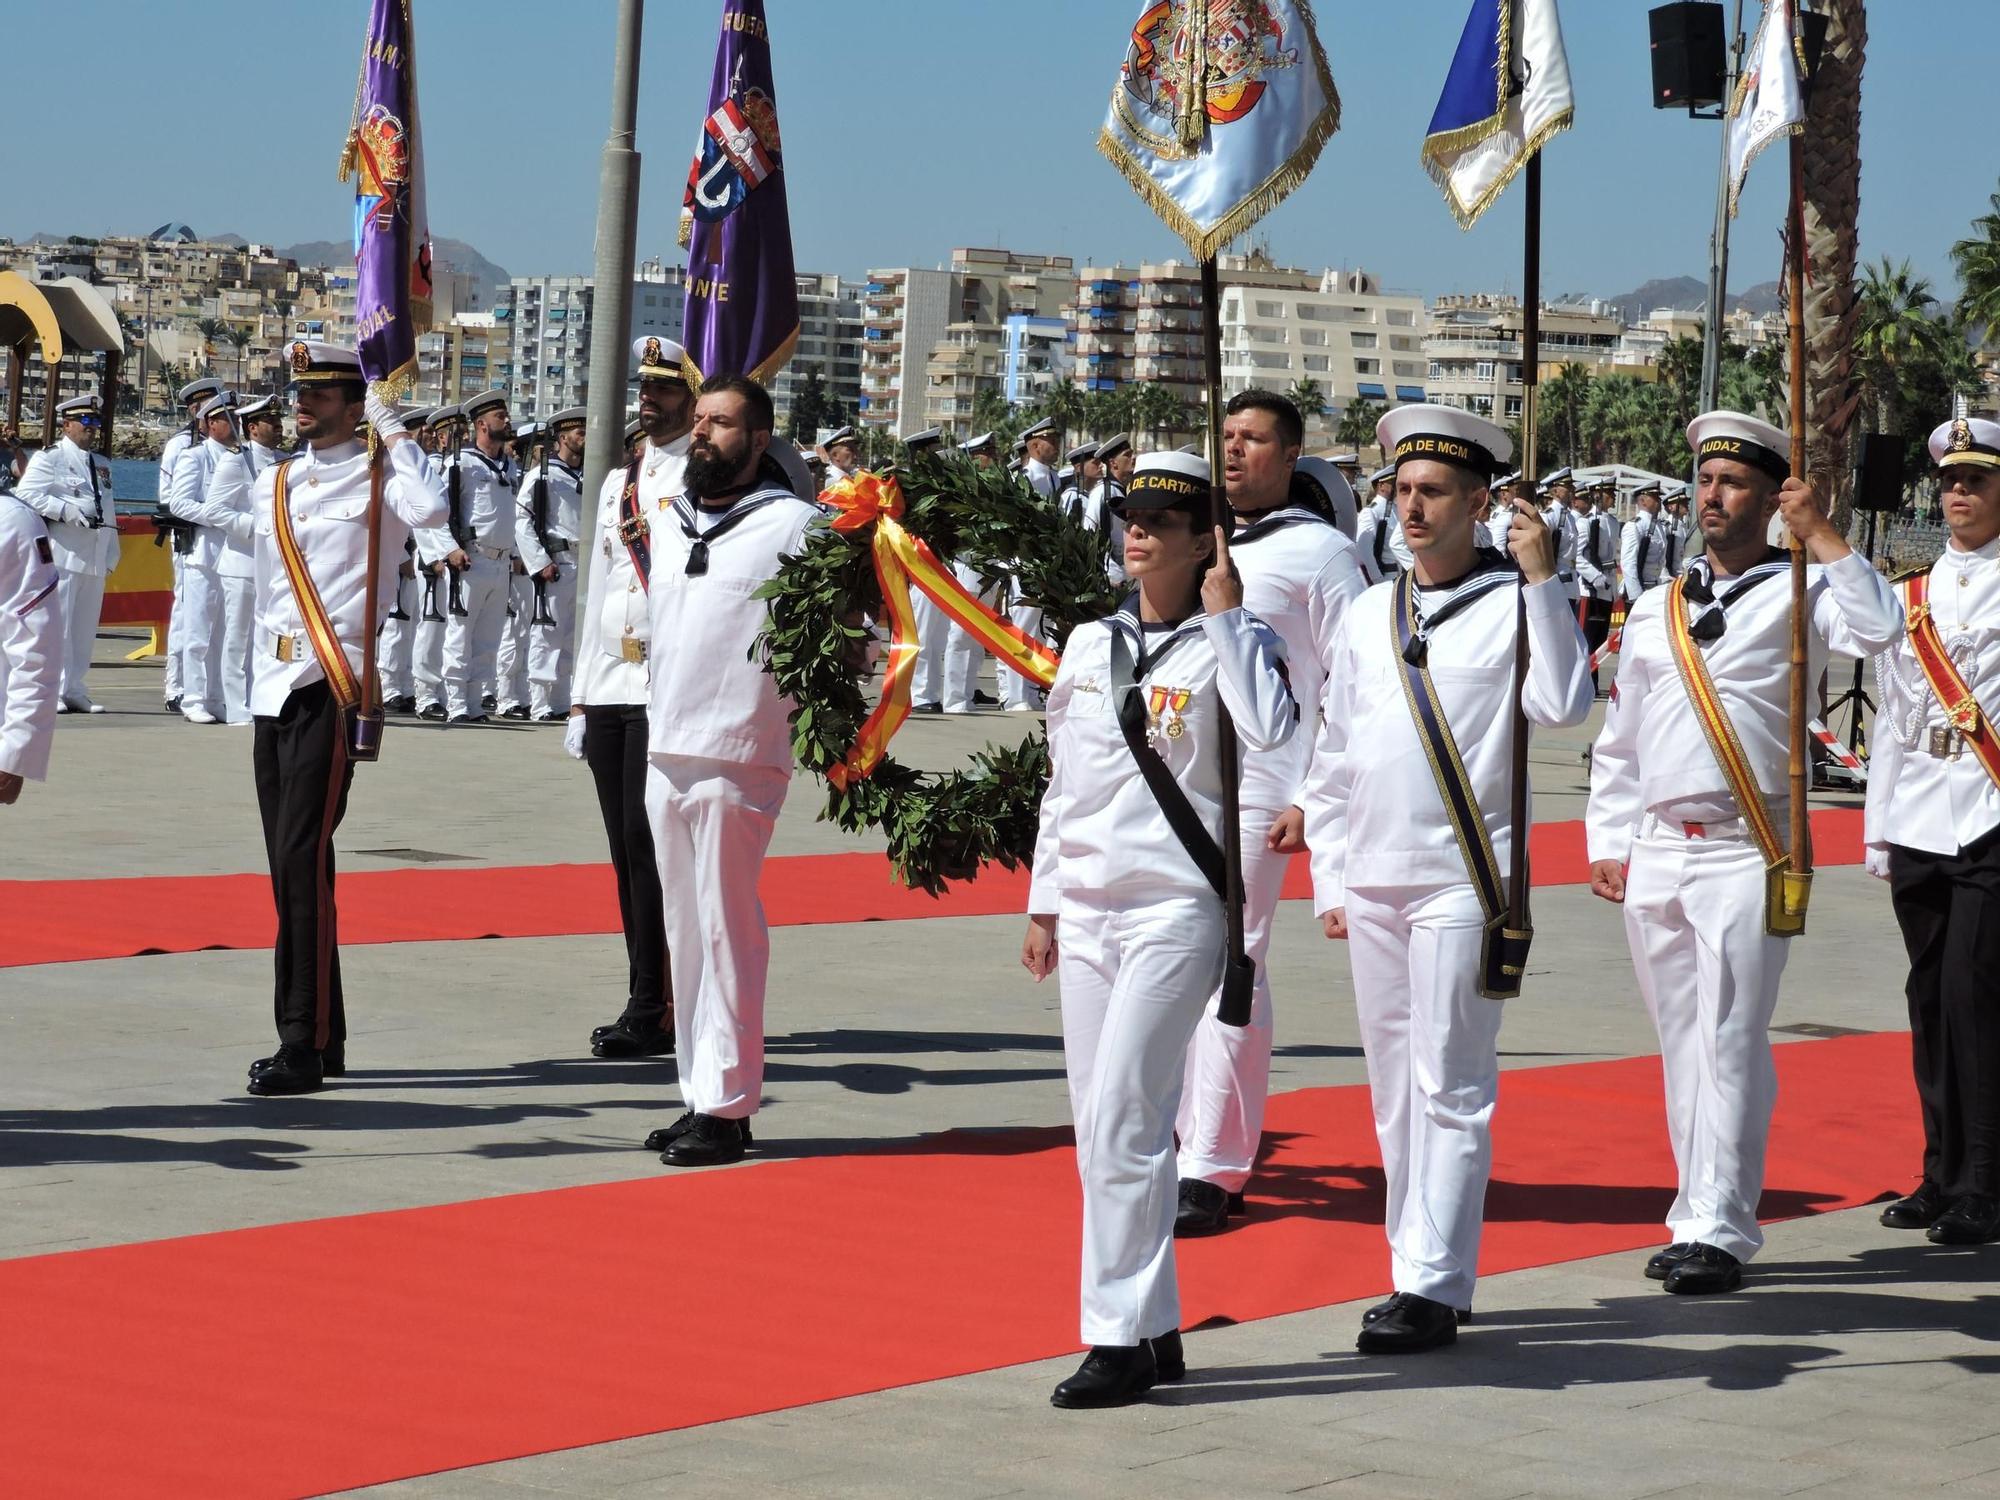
[[1966, 440], [1444, 434], [1732, 435], [1167, 481]]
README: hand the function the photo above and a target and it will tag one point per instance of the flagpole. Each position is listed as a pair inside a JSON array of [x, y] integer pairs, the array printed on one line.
[[1795, 286], [1234, 1008], [1531, 374]]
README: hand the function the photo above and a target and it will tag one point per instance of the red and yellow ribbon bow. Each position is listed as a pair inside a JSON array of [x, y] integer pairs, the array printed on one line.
[[901, 559]]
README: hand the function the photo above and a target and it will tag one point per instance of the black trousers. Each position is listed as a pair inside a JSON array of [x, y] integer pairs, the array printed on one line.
[[1948, 906], [614, 747], [303, 774], [1596, 623]]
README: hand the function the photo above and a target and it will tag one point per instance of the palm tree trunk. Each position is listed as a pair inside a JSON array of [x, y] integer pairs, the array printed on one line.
[[1832, 214]]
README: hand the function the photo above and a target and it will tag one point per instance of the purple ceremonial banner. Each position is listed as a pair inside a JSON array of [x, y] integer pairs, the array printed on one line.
[[742, 301], [392, 242]]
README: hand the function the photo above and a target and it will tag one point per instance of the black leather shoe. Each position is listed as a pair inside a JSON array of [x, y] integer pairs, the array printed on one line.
[[708, 1141], [984, 700], [1383, 1308], [1664, 1261], [292, 1070], [403, 705], [1919, 1210], [478, 718], [1971, 1220], [927, 708], [1410, 1325], [1110, 1375], [433, 712], [518, 711], [487, 701], [1204, 1209], [1707, 1270], [621, 1039], [332, 1062], [551, 716], [1169, 1360], [666, 1135]]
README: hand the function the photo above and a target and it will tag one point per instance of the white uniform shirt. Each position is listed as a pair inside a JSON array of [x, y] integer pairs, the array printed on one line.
[[194, 479], [615, 607], [1101, 827], [486, 498], [1299, 576], [1915, 798], [1373, 813], [31, 642], [565, 510], [1378, 538], [1652, 755], [230, 507], [1642, 554], [710, 697], [1562, 524], [329, 520], [170, 454], [1041, 478], [1596, 554], [1098, 515], [82, 520]]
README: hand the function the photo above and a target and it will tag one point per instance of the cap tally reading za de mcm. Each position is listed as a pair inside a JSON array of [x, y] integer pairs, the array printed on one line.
[[1444, 434]]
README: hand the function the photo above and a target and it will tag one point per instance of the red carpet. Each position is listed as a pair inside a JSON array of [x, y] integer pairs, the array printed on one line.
[[61, 921], [436, 1338]]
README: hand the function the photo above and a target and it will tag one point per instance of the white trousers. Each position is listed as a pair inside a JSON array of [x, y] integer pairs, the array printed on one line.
[[963, 654], [551, 648], [1694, 915], [201, 639], [395, 647], [1133, 981], [231, 652], [512, 662], [427, 648], [1433, 1076], [81, 597], [1016, 692], [712, 822], [472, 640], [933, 633], [1228, 1078], [176, 627]]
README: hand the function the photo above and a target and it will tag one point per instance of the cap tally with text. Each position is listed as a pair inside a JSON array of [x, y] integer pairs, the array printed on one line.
[[1112, 446], [569, 415], [1730, 434], [443, 416], [208, 385], [1444, 434], [1966, 440], [311, 362], [485, 401], [1167, 481], [659, 359]]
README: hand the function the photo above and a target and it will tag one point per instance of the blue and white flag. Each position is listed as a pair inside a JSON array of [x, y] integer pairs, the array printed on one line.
[[1769, 103], [1507, 93], [1220, 110]]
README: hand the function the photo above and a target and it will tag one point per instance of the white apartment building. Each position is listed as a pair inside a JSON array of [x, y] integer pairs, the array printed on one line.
[[546, 365], [831, 338], [905, 313], [1474, 349], [1340, 330]]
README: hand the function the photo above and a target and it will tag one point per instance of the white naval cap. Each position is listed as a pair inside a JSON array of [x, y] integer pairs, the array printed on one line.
[[219, 405], [1564, 475], [1387, 471], [442, 415], [978, 443], [1112, 446], [262, 406], [658, 358], [568, 415], [314, 362], [1044, 428], [1168, 481], [77, 406], [1966, 440], [477, 406], [1335, 494], [930, 437], [1344, 460], [844, 435], [415, 418], [208, 385], [632, 431], [1750, 440], [1079, 453], [1649, 487], [1444, 434], [530, 433]]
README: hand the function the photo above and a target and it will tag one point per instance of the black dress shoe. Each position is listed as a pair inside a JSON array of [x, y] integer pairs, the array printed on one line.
[[1204, 1209], [1919, 1210], [1110, 1375], [432, 711], [708, 1141], [478, 718], [403, 705], [518, 711], [1708, 1269], [985, 700], [1664, 1261], [666, 1135], [927, 708], [1971, 1220], [551, 716], [1413, 1325], [1169, 1360], [332, 1062], [173, 705], [292, 1070], [622, 1039], [1383, 1308], [487, 700]]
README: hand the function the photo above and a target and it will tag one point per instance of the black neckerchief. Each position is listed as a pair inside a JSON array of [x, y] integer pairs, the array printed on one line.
[[1148, 655], [684, 511], [1700, 589], [480, 454], [1265, 522], [1492, 570], [576, 474]]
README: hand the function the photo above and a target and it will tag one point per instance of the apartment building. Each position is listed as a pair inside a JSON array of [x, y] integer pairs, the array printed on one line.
[[831, 337], [1473, 349], [546, 323]]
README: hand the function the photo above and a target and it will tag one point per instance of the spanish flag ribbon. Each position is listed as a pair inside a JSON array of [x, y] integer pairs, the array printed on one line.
[[901, 559]]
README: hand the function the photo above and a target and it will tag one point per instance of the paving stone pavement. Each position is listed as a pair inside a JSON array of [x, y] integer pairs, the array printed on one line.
[[1855, 1364]]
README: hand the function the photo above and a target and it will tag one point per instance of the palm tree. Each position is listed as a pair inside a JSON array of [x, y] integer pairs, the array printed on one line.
[[1831, 147], [1895, 330], [1564, 399], [1357, 424], [1680, 375], [1155, 409], [210, 329], [1309, 396], [990, 411], [1977, 258], [171, 377], [240, 337], [1064, 402]]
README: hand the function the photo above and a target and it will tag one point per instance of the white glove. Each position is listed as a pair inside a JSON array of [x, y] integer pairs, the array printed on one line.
[[382, 417], [1876, 860], [573, 736]]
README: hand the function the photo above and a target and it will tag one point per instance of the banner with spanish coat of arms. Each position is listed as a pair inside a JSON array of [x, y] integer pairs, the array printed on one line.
[[1220, 110], [392, 240]]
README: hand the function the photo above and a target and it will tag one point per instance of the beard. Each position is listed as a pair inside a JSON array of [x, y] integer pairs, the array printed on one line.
[[711, 472]]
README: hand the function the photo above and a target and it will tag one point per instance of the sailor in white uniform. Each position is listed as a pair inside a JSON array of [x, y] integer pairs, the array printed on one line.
[[227, 503], [1299, 576], [1128, 916], [484, 558], [1643, 545], [69, 486], [1115, 458], [962, 652], [842, 455], [1017, 694], [933, 626], [202, 669], [1391, 872], [1686, 846], [31, 655], [192, 397], [510, 662], [1933, 830], [1378, 533], [439, 587], [395, 650], [720, 744], [546, 527], [1559, 515]]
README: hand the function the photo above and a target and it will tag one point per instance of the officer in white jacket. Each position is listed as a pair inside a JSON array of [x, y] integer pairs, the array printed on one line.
[[720, 743], [69, 486], [1390, 871], [548, 520], [1559, 515], [232, 573], [201, 585], [31, 628], [962, 652], [1042, 440], [192, 397], [1127, 915], [1643, 545], [1299, 576], [483, 556], [395, 648]]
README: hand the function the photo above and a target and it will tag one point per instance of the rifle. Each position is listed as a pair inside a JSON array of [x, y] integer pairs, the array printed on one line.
[[461, 534], [165, 522], [396, 610], [538, 520], [431, 597]]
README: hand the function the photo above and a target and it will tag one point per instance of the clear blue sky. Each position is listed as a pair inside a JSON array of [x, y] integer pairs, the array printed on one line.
[[911, 128]]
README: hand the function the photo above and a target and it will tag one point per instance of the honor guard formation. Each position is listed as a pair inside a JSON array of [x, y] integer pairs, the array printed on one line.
[[1359, 662]]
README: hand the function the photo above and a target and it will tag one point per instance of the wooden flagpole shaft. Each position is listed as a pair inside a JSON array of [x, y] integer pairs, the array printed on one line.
[[1531, 368], [1231, 760], [371, 681], [1795, 286]]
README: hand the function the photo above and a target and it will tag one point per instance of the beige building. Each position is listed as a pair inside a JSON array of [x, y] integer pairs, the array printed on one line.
[[1473, 349]]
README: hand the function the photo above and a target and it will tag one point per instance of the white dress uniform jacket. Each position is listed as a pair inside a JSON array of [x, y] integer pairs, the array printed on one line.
[[1379, 539], [81, 518], [1642, 554], [1597, 553], [1561, 520], [616, 607], [31, 642]]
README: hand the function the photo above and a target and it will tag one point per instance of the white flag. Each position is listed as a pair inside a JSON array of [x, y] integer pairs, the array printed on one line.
[[1508, 91], [1769, 101], [1219, 111]]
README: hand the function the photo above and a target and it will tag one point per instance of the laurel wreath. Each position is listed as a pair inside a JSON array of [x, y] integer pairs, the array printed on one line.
[[939, 827]]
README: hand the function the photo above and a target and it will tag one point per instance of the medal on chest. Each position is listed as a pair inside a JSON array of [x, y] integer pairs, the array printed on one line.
[[1166, 708]]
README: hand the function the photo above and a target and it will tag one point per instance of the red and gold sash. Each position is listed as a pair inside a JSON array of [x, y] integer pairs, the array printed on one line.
[[1961, 709], [1786, 890], [326, 646]]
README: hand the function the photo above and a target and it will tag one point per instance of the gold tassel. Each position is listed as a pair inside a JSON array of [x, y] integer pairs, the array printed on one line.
[[1191, 119]]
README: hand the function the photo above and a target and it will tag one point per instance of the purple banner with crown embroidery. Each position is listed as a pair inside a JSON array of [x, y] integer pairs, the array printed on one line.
[[742, 301], [392, 249]]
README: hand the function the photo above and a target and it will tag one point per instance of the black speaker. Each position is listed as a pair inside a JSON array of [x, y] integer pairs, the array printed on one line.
[[1878, 472], [1689, 58]]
